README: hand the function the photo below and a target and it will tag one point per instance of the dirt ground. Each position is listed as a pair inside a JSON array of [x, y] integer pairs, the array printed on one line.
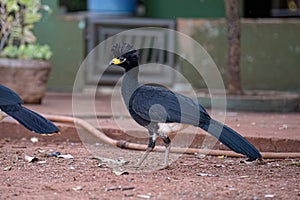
[[189, 177]]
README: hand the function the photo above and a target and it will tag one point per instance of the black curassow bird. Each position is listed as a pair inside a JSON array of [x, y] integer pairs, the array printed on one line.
[[11, 104], [162, 111]]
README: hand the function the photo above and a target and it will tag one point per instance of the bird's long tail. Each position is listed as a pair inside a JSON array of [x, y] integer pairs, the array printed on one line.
[[231, 139], [30, 119]]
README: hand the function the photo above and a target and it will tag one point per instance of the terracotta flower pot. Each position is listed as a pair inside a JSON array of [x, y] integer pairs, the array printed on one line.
[[26, 77]]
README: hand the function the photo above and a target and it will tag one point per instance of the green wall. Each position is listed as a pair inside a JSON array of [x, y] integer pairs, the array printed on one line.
[[66, 41], [270, 51], [187, 8]]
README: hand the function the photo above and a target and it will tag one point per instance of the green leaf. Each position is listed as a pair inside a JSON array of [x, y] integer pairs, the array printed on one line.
[[12, 6], [31, 51], [20, 30], [31, 18], [26, 2]]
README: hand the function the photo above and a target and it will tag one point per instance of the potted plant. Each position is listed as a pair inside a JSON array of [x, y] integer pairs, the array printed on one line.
[[24, 64]]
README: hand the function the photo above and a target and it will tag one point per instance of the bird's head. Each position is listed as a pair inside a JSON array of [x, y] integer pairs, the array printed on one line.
[[124, 56]]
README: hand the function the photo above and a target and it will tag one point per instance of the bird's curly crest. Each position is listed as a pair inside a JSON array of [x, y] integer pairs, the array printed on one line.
[[119, 49]]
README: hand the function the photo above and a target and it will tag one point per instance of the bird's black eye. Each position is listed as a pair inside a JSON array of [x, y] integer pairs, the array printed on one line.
[[122, 59]]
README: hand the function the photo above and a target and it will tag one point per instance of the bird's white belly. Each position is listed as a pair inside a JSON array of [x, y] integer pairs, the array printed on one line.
[[168, 128], [2, 115]]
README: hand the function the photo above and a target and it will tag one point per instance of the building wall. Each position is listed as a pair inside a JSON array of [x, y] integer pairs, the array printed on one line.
[[67, 43], [270, 50], [188, 8]]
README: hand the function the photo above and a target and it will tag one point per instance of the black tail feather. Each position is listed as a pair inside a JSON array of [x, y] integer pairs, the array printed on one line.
[[231, 139], [32, 120]]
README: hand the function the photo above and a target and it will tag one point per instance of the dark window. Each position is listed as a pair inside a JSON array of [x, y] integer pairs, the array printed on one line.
[[271, 8]]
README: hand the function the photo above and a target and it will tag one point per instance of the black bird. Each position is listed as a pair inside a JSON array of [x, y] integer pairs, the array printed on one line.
[[162, 111], [11, 104]]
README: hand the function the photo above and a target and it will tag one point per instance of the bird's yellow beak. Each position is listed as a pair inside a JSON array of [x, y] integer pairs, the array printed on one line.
[[115, 61]]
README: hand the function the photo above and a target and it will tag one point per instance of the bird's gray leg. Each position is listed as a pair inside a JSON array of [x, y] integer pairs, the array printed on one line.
[[167, 142], [151, 145]]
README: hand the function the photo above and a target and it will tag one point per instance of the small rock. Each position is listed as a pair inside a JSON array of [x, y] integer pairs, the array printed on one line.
[[34, 139], [219, 166], [77, 188], [206, 175], [200, 155], [255, 198], [143, 196], [269, 196], [8, 168], [284, 126]]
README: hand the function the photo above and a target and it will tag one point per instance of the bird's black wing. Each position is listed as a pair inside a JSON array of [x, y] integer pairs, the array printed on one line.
[[157, 104], [9, 97]]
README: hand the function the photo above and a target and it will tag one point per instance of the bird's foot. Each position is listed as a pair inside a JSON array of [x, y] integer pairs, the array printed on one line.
[[258, 161], [165, 166], [137, 166]]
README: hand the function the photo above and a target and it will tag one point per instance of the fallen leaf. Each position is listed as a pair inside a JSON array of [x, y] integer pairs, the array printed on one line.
[[129, 195], [244, 176], [114, 188], [293, 163], [30, 158], [206, 175], [77, 188], [8, 168], [128, 188], [143, 196], [54, 154], [108, 160], [43, 152], [42, 162], [219, 166], [119, 172], [67, 156]]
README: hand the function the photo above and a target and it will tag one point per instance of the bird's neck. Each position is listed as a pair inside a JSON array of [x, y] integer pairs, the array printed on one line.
[[130, 84]]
